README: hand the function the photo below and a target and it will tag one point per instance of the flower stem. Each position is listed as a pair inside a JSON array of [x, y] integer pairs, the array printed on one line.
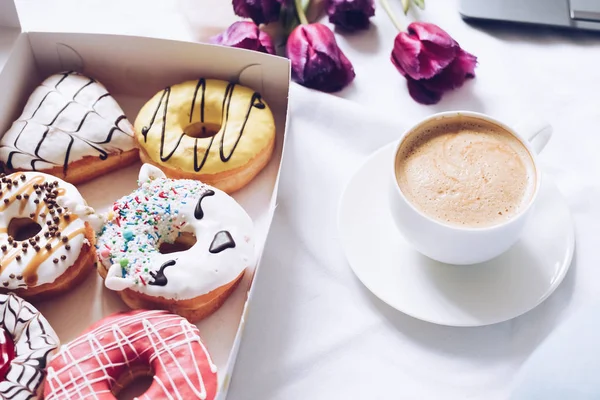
[[390, 13], [300, 12]]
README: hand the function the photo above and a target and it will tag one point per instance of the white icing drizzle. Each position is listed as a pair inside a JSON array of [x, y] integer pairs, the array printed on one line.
[[68, 117], [20, 264], [83, 367], [35, 343], [158, 212]]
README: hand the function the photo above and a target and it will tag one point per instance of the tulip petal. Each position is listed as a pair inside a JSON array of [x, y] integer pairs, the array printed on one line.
[[351, 15], [266, 44], [454, 75], [432, 33], [245, 35], [260, 11], [421, 94], [467, 63]]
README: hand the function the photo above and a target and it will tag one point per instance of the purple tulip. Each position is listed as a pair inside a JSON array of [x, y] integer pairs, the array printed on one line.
[[350, 15], [260, 11], [245, 35], [317, 61], [431, 61]]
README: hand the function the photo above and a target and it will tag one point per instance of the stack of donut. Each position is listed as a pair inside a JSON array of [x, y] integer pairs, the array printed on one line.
[[174, 249]]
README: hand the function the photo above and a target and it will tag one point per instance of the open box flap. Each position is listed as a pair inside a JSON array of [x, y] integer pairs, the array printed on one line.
[[157, 62], [10, 28]]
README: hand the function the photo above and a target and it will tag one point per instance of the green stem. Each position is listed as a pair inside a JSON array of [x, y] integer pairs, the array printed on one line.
[[300, 12], [390, 13]]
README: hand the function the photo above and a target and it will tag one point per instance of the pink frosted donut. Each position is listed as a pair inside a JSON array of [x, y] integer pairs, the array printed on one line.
[[117, 349]]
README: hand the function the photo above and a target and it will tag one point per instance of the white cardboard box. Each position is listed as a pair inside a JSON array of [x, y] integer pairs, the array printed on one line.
[[133, 69]]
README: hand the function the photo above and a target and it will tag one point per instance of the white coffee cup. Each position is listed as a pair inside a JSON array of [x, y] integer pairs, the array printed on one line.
[[456, 244]]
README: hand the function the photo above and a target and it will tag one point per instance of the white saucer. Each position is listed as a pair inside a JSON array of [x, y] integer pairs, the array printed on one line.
[[444, 294]]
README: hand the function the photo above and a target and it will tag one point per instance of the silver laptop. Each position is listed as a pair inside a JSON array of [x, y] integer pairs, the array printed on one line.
[[576, 14]]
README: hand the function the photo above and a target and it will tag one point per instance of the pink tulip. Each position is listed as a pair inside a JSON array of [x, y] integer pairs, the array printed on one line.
[[317, 61], [431, 61]]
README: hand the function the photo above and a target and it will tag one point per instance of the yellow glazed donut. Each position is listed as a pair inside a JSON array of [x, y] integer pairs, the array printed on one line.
[[214, 131]]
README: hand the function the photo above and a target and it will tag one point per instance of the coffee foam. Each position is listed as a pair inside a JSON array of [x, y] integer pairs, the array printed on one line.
[[466, 172]]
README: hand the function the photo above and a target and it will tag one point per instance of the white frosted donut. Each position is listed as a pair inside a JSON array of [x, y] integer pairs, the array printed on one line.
[[48, 261], [27, 344], [158, 212], [72, 128]]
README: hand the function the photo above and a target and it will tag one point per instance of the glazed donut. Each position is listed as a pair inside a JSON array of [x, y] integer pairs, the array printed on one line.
[[72, 128], [162, 215], [124, 346], [45, 248], [27, 343], [214, 131]]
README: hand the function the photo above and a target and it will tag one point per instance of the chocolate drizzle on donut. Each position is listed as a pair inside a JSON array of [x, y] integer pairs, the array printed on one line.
[[37, 342], [255, 102], [198, 212], [201, 83], [71, 135], [52, 239], [159, 276], [221, 241]]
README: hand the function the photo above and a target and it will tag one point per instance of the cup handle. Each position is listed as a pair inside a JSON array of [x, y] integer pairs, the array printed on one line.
[[537, 133]]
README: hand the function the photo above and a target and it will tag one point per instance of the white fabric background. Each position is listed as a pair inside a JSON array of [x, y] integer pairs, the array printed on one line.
[[314, 331]]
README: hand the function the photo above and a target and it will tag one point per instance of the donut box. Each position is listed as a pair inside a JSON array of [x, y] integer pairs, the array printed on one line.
[[133, 69]]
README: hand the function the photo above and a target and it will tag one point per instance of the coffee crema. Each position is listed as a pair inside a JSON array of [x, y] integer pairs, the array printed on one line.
[[465, 172]]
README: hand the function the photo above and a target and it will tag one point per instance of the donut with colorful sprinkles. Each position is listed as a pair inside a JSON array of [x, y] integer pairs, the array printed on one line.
[[175, 244]]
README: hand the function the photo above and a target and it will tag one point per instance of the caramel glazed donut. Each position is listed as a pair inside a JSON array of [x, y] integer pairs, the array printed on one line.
[[45, 247], [27, 343], [138, 246], [72, 128], [220, 133], [123, 346]]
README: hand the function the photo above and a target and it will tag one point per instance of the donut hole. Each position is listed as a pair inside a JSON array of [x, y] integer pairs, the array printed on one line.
[[134, 383], [202, 130], [23, 228], [183, 242]]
